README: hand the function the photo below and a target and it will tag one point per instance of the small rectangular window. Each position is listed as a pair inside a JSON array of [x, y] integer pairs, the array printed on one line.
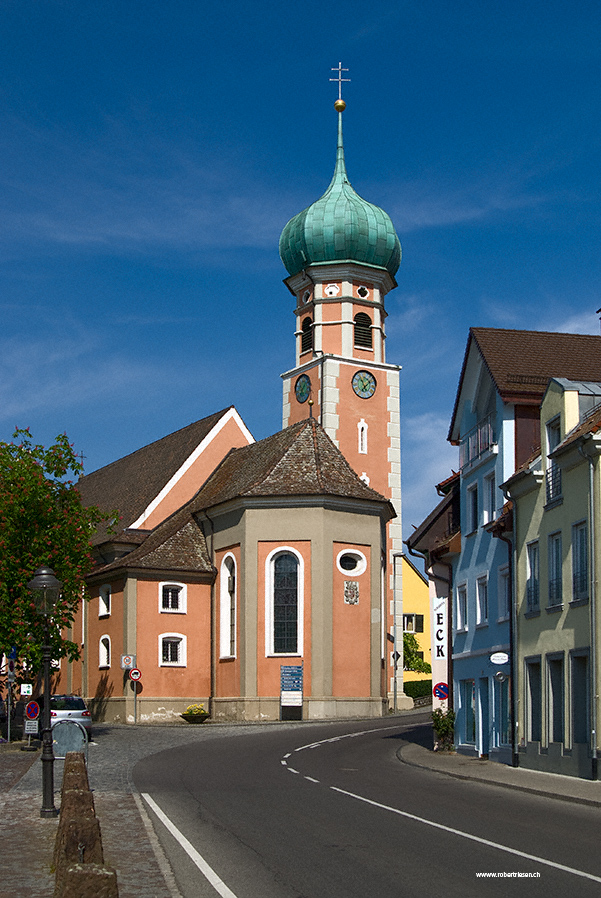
[[482, 600], [472, 509], [579, 561], [462, 608], [554, 569], [490, 498], [533, 581]]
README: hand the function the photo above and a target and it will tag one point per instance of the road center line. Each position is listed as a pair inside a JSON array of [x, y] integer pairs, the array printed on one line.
[[206, 870], [458, 832]]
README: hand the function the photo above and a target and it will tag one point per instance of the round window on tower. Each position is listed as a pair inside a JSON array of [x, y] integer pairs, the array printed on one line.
[[332, 290], [363, 291], [351, 562]]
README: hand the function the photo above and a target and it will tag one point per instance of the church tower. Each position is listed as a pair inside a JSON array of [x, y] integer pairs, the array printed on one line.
[[342, 254]]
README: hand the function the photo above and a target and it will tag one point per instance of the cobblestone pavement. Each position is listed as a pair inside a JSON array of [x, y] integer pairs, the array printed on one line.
[[129, 843]]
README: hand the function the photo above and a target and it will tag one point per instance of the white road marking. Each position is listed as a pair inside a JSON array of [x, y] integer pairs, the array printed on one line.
[[311, 779], [464, 835], [206, 870]]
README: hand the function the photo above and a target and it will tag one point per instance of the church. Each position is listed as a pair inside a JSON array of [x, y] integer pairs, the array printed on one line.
[[263, 579]]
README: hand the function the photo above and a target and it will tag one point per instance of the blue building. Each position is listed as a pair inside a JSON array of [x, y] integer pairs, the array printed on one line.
[[495, 423]]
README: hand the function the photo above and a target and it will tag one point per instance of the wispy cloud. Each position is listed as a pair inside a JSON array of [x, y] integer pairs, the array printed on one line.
[[427, 460]]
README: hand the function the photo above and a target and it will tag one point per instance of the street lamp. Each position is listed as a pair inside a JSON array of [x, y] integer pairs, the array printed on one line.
[[45, 590]]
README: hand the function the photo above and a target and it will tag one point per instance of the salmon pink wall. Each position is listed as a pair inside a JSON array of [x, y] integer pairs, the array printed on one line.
[[195, 678], [103, 682], [229, 437], [228, 669], [351, 628]]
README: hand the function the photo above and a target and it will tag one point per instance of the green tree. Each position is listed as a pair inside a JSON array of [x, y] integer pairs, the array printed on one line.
[[42, 522], [411, 655]]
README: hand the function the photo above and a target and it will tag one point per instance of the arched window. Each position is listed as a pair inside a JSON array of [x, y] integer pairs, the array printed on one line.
[[362, 434], [307, 335], [363, 330], [104, 652], [284, 606], [227, 608], [104, 601]]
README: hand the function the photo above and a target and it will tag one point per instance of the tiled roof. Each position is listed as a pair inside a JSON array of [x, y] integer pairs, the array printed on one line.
[[131, 483], [175, 545], [590, 424], [521, 363], [300, 460]]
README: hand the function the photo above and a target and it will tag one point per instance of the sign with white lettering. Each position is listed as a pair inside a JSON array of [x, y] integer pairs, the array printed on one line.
[[291, 685]]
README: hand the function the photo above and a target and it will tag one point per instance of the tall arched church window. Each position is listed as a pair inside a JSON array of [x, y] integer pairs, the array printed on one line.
[[362, 434], [227, 610], [307, 335], [284, 591], [363, 335]]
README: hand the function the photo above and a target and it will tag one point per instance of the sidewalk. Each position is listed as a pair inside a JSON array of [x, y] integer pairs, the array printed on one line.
[[27, 840], [551, 785]]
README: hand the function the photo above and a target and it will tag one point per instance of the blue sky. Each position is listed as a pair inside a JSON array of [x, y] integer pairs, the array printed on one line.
[[151, 153]]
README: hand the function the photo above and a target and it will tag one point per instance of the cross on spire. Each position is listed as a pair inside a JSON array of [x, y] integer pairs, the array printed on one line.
[[339, 79]]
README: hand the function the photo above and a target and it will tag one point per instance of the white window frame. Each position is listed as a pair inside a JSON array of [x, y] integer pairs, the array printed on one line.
[[461, 607], [361, 562], [104, 652], [269, 622], [183, 654], [183, 597], [482, 601], [504, 594], [104, 600], [490, 497], [362, 428], [228, 606], [473, 508]]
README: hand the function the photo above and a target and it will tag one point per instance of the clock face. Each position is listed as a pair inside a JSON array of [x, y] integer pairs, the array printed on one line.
[[302, 388], [364, 384]]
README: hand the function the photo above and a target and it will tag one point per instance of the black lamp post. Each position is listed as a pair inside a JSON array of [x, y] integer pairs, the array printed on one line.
[[45, 590]]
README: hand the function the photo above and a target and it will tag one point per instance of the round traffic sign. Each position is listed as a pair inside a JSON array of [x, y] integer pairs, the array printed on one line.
[[135, 674], [32, 710], [441, 691]]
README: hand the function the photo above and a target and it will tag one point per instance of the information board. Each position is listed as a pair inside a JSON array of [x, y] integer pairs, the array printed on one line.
[[291, 685]]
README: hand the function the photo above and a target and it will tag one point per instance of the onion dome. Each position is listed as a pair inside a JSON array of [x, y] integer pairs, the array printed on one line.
[[340, 226]]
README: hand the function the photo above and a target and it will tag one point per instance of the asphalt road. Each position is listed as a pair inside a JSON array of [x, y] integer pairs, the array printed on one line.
[[329, 810]]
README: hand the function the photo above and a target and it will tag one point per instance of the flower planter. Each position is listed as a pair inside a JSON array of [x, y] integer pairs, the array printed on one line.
[[195, 718]]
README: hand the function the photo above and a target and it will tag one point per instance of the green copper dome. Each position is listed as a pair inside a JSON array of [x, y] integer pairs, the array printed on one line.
[[340, 226]]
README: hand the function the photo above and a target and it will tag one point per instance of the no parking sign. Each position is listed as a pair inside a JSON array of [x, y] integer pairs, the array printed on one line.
[[441, 691]]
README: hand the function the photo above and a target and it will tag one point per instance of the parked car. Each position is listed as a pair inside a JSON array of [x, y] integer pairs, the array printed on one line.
[[70, 707]]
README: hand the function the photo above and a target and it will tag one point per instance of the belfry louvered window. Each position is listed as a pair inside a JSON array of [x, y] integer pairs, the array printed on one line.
[[307, 335], [363, 330]]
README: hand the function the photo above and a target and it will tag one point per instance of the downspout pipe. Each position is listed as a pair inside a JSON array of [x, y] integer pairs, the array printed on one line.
[[593, 609]]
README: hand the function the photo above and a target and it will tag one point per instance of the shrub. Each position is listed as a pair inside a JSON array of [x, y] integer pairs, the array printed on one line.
[[417, 688], [444, 727]]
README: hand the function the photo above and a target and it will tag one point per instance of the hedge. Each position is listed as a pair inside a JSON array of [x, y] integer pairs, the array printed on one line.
[[417, 688]]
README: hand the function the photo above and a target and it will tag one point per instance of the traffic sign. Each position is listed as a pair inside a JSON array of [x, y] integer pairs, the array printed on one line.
[[135, 674], [26, 689], [441, 691], [32, 710], [128, 662]]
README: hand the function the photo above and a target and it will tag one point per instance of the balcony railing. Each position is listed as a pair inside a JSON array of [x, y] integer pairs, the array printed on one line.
[[553, 482], [555, 593], [477, 441], [532, 595], [579, 585]]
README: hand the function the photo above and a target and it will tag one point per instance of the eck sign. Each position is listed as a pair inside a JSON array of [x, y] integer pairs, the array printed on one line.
[[499, 658]]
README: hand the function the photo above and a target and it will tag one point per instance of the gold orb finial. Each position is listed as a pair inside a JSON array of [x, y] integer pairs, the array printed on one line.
[[339, 105]]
